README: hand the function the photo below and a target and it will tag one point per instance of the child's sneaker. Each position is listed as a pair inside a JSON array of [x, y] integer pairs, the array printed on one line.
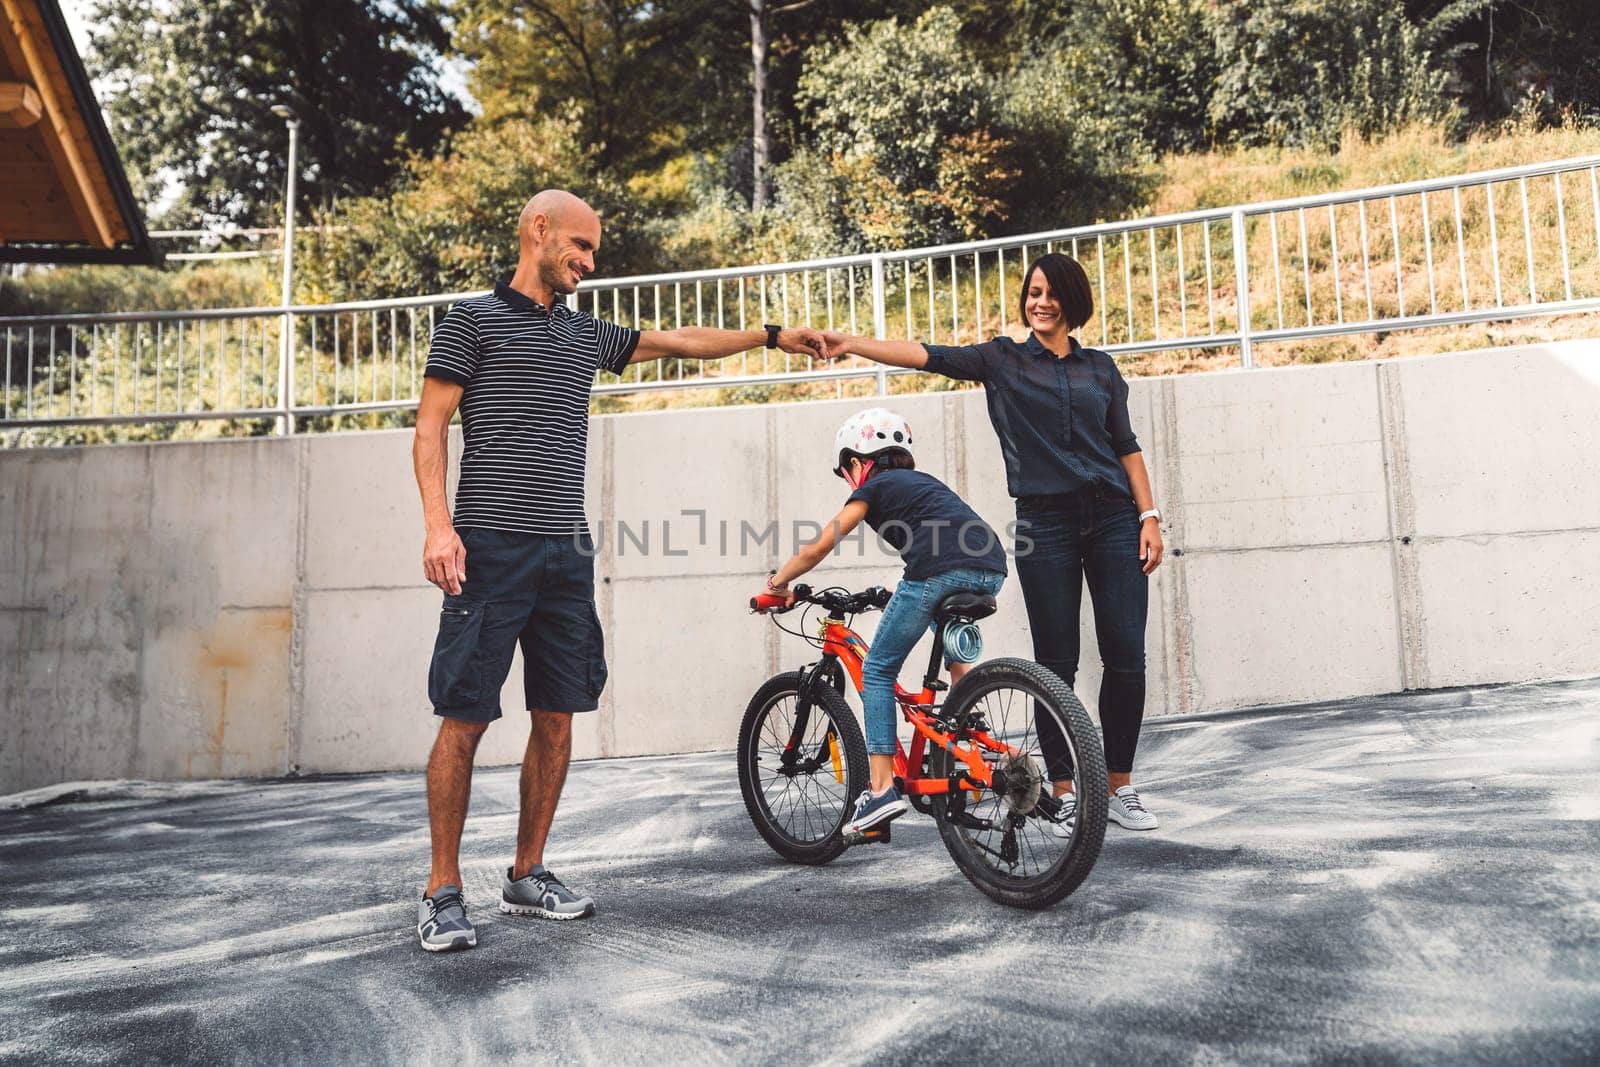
[[1065, 819], [877, 809]]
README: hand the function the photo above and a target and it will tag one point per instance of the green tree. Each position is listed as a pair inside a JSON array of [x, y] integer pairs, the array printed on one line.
[[1147, 65], [904, 118], [1082, 146], [896, 93], [654, 83], [1515, 55], [192, 85], [1303, 72], [622, 70], [590, 59], [450, 223]]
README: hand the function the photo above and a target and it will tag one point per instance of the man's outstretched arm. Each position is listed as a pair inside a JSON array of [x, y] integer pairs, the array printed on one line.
[[705, 342]]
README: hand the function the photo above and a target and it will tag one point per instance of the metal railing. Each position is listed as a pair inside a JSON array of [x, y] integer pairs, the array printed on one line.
[[1494, 245], [205, 245]]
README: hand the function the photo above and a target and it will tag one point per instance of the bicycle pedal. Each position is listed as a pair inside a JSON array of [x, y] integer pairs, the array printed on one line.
[[867, 837]]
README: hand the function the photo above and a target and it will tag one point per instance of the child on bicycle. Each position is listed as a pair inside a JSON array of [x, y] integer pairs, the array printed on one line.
[[946, 548]]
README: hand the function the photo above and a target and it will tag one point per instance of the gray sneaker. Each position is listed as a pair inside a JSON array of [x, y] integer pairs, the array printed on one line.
[[1128, 811], [543, 894], [442, 922]]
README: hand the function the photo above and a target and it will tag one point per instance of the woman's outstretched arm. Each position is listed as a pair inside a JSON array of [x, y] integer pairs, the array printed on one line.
[[966, 363], [891, 353]]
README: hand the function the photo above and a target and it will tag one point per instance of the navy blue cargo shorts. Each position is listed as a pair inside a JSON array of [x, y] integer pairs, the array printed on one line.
[[531, 589]]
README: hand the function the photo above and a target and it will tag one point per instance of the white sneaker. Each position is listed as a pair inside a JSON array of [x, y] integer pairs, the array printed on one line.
[[1127, 811], [1066, 817]]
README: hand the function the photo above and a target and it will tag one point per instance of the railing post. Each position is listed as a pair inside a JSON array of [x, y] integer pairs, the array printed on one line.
[[286, 342], [880, 327], [286, 375], [1241, 280]]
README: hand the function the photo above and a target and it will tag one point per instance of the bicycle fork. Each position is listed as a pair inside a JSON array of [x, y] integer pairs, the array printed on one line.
[[793, 760]]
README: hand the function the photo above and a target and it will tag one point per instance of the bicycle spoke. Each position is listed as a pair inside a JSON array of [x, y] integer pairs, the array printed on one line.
[[781, 741], [827, 790], [801, 798], [1026, 845], [817, 808], [1014, 717], [788, 788]]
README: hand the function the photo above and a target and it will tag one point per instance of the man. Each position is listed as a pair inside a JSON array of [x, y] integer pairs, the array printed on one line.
[[515, 559]]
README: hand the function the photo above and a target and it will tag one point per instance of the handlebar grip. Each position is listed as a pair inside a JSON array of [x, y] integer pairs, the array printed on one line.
[[763, 602]]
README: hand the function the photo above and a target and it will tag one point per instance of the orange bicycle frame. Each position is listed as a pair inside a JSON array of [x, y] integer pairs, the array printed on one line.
[[843, 644]]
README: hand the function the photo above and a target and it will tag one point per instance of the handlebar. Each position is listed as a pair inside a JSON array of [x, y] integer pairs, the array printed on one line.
[[836, 601], [762, 603]]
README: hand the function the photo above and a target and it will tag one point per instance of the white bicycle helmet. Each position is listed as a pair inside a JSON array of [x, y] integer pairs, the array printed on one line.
[[868, 433]]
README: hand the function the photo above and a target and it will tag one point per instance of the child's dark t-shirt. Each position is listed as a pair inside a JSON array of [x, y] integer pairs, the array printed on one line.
[[931, 527]]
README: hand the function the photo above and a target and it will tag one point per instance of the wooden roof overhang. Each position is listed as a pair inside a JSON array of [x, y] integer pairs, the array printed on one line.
[[64, 197]]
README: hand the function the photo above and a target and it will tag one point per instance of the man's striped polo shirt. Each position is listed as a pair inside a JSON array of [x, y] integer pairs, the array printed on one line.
[[526, 371]]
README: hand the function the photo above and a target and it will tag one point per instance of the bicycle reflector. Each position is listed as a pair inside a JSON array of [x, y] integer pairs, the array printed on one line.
[[963, 643]]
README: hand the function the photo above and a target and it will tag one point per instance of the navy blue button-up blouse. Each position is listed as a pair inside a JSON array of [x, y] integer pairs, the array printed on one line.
[[1062, 420]]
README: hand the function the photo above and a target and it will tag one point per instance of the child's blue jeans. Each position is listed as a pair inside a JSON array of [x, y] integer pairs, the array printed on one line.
[[908, 614]]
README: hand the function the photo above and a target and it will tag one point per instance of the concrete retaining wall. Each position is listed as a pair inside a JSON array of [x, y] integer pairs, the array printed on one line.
[[256, 607]]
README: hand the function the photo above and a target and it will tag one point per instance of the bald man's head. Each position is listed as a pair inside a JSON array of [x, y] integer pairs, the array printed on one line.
[[558, 206], [558, 236]]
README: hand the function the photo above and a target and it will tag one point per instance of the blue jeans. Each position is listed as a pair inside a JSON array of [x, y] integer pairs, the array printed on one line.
[[1094, 536], [908, 614]]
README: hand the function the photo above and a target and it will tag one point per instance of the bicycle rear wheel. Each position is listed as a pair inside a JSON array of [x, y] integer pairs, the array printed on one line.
[[800, 773], [1004, 839]]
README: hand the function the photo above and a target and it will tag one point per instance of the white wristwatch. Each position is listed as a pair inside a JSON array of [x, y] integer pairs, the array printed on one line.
[[1153, 513]]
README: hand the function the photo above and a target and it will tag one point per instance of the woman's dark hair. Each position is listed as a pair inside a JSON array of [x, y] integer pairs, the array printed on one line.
[[1068, 284]]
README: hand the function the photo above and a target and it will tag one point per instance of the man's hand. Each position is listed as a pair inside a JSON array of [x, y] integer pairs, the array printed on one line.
[[444, 559], [801, 341]]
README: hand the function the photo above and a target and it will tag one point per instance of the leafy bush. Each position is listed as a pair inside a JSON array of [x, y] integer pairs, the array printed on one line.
[[904, 119], [1298, 72], [91, 290], [1078, 156], [1141, 70], [451, 223]]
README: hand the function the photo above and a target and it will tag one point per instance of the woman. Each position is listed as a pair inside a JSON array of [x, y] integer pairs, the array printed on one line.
[[1084, 507]]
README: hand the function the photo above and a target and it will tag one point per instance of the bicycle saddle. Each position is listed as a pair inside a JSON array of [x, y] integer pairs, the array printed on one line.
[[964, 606]]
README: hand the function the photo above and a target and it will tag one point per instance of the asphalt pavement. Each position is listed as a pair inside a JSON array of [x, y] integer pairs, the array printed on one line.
[[1410, 879]]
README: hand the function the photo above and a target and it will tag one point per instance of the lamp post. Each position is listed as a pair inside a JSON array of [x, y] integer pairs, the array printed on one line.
[[286, 340]]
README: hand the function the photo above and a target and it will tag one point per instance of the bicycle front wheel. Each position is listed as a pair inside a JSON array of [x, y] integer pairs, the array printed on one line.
[[1013, 841], [800, 770]]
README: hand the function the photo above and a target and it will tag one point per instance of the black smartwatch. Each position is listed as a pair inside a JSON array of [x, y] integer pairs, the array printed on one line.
[[772, 334]]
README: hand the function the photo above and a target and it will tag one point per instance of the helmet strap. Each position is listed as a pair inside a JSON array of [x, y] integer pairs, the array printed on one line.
[[866, 469]]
